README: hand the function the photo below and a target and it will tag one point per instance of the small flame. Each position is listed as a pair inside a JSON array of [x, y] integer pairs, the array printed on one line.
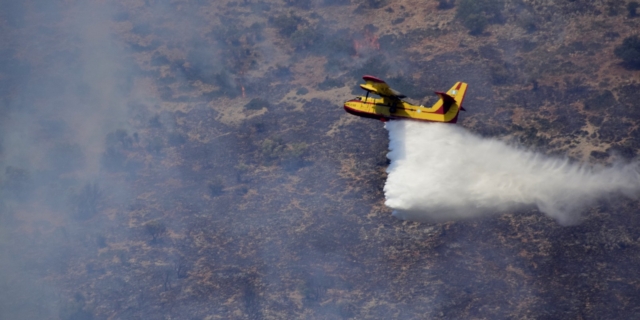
[[369, 42]]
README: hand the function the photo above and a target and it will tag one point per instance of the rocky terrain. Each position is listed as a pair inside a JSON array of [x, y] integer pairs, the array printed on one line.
[[184, 159]]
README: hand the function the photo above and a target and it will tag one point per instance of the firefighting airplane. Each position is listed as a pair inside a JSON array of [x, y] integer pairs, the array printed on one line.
[[391, 106]]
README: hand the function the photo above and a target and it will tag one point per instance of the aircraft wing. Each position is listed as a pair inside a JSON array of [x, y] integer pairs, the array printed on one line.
[[380, 88]]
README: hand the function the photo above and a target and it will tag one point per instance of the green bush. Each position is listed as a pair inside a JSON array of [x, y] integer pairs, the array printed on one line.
[[612, 10], [339, 44], [227, 84], [477, 14], [154, 122], [629, 51], [305, 38], [74, 309], [446, 4], [17, 183], [375, 66], [476, 23], [632, 8], [119, 139], [600, 101], [85, 203], [155, 145], [296, 150], [373, 4], [397, 21], [216, 187], [527, 21], [155, 229], [287, 24], [257, 104], [242, 173], [271, 149], [329, 83], [289, 155], [293, 157], [303, 4], [335, 2], [527, 46], [118, 144], [176, 138], [500, 74], [282, 71]]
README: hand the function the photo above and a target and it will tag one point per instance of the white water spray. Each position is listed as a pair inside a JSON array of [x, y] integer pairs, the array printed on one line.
[[443, 172]]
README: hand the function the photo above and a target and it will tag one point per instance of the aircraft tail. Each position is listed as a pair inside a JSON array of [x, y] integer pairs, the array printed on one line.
[[453, 98], [447, 102], [457, 92]]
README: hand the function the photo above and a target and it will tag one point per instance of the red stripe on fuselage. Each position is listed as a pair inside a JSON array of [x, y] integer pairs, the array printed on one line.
[[380, 117], [382, 105]]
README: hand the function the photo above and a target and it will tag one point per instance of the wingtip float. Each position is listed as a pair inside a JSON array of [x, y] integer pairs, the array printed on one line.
[[391, 106]]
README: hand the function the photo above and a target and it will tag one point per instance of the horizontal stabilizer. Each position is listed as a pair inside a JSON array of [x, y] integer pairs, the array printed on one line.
[[447, 101]]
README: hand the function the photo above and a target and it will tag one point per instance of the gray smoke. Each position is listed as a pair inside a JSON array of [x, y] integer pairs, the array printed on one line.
[[443, 172]]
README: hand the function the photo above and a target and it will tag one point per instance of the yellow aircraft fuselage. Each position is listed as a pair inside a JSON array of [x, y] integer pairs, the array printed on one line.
[[391, 106]]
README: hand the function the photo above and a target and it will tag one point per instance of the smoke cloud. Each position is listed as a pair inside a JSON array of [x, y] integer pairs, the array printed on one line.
[[443, 172]]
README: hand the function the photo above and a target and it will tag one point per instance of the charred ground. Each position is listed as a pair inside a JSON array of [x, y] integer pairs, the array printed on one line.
[[239, 189]]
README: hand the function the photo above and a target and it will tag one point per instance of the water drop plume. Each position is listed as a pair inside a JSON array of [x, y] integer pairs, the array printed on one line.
[[443, 172]]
